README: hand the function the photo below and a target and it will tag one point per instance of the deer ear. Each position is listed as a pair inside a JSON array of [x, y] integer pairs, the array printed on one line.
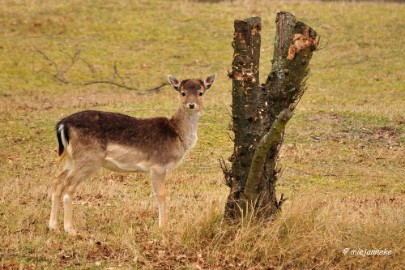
[[174, 82], [209, 81]]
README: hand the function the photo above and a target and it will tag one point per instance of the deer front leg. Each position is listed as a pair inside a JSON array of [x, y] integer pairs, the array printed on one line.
[[159, 189]]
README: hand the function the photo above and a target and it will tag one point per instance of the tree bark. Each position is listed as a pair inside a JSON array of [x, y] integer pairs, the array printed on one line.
[[261, 112]]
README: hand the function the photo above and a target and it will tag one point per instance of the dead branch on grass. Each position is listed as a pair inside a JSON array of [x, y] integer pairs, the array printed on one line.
[[143, 92], [61, 72], [59, 75]]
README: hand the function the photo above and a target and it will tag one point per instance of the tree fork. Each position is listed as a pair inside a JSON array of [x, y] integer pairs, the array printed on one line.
[[261, 112]]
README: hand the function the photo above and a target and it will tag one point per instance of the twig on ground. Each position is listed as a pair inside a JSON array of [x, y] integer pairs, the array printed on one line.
[[153, 90], [143, 92], [110, 82], [61, 72]]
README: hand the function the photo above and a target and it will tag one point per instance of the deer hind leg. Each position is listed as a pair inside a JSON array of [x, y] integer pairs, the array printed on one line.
[[159, 189], [77, 176], [56, 196]]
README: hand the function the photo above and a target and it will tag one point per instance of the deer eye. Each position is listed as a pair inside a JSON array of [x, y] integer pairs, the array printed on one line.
[[201, 94], [183, 94]]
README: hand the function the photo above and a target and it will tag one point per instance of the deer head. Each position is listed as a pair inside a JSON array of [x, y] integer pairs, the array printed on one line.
[[192, 91]]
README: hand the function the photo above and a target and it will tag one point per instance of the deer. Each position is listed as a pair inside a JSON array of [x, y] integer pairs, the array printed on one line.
[[90, 139]]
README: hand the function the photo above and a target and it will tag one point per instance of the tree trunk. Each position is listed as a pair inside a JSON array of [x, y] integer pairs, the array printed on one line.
[[261, 112]]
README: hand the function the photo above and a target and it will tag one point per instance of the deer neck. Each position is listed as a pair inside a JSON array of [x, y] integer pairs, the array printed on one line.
[[186, 124]]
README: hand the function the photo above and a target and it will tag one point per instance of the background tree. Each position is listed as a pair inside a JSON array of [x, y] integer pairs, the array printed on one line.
[[260, 112]]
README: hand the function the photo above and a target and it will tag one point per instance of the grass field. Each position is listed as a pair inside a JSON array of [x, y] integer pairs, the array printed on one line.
[[343, 159]]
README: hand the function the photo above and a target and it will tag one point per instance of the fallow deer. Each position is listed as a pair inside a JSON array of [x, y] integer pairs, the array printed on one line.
[[89, 140]]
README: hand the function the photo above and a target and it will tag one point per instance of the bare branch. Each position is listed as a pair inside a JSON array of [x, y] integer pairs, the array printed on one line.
[[281, 201], [73, 59], [110, 82], [144, 92], [117, 74], [227, 172], [59, 74], [154, 89], [90, 66]]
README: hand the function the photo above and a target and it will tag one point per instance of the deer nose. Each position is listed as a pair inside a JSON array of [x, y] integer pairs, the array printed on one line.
[[191, 106]]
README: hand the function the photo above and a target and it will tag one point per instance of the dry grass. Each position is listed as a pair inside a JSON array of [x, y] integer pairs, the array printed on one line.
[[310, 233], [343, 159]]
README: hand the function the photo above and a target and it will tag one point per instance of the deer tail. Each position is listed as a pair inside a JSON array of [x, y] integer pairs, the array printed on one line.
[[62, 133]]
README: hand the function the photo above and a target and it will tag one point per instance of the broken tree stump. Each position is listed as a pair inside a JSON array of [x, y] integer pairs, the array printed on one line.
[[260, 112]]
